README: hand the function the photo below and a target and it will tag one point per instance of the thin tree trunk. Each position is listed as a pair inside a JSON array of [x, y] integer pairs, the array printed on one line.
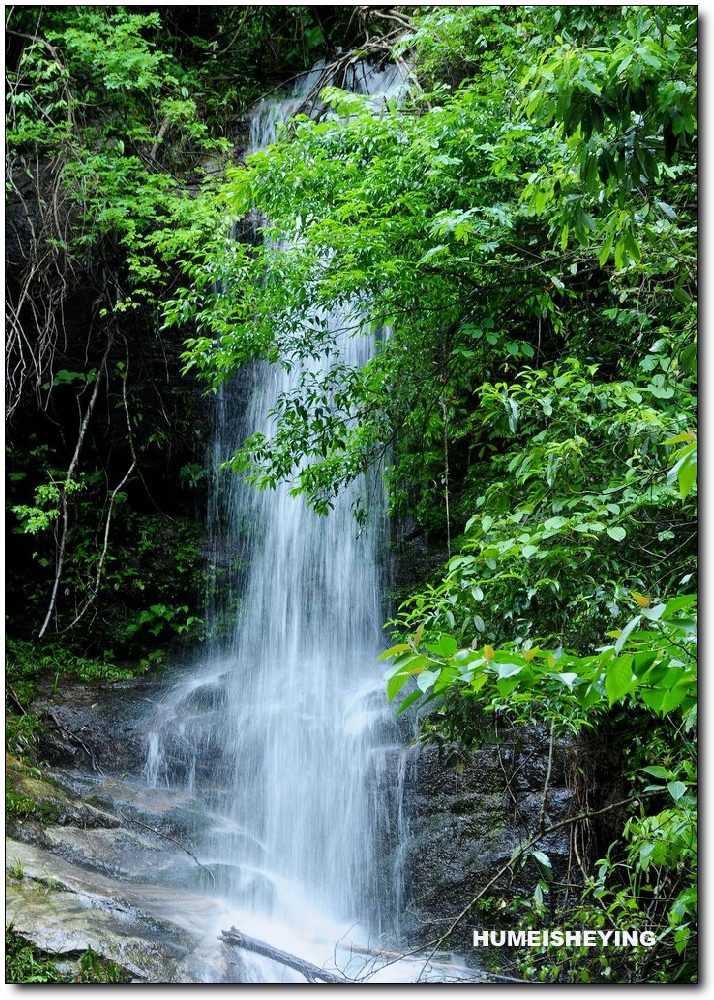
[[445, 414], [70, 472]]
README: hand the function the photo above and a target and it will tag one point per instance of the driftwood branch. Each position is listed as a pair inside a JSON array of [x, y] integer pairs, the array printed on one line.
[[396, 956], [313, 973]]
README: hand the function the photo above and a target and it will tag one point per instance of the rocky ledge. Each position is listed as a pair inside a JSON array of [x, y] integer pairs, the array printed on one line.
[[111, 878]]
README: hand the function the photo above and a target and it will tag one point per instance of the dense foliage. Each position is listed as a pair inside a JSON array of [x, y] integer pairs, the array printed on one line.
[[520, 222], [119, 123], [517, 222]]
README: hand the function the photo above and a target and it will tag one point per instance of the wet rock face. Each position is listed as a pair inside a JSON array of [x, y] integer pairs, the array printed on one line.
[[415, 557], [51, 801], [120, 880], [97, 860], [98, 726], [146, 931], [463, 825], [121, 884]]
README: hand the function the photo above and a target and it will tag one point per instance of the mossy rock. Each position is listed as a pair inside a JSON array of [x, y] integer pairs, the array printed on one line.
[[31, 795]]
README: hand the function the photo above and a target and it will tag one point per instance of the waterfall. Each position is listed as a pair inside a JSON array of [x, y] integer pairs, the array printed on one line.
[[282, 729]]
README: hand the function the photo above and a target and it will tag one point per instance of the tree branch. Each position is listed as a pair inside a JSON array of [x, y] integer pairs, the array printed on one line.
[[313, 973]]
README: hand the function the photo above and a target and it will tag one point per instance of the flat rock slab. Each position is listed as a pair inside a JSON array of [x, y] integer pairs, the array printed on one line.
[[156, 933]]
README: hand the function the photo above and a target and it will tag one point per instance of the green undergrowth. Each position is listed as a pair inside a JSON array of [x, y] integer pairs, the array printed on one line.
[[21, 806], [29, 663], [26, 964]]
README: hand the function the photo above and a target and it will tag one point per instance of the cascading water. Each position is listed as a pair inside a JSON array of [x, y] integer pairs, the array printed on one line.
[[282, 729]]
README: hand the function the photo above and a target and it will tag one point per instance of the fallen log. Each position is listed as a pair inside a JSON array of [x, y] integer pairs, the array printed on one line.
[[313, 973]]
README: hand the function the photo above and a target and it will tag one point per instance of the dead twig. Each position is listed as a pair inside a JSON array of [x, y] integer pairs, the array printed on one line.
[[172, 840]]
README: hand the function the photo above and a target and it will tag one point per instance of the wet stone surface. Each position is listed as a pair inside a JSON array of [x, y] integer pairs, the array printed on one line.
[[117, 884], [101, 726], [105, 863], [461, 827]]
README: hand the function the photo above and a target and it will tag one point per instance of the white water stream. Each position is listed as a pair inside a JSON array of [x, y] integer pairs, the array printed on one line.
[[283, 730]]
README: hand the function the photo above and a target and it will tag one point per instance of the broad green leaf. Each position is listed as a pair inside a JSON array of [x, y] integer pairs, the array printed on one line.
[[478, 681], [619, 680], [426, 679], [506, 669], [687, 476], [676, 789], [409, 701], [568, 679], [542, 859], [686, 436], [395, 685], [657, 771], [655, 613], [625, 633], [402, 647], [445, 646]]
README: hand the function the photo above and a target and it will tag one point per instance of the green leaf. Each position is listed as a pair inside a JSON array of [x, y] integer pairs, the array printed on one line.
[[409, 701], [504, 670], [567, 678], [676, 789], [402, 647], [617, 533], [506, 685], [687, 477], [653, 699], [542, 859], [445, 646], [619, 680], [395, 685], [605, 251], [655, 613], [478, 682], [426, 679], [673, 699], [625, 633], [657, 771], [679, 604]]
